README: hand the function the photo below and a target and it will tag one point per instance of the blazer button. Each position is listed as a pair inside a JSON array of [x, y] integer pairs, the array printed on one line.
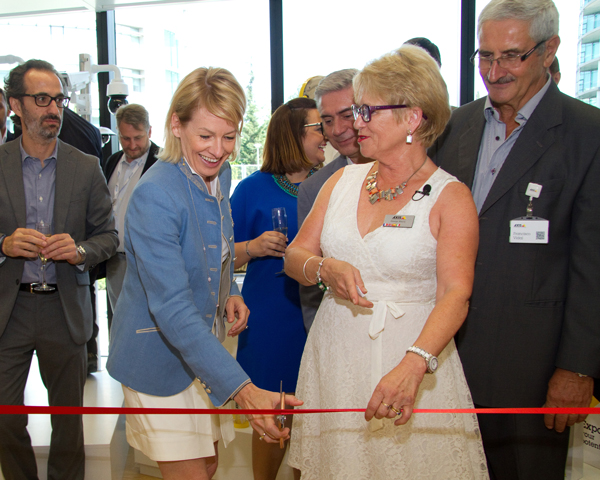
[[208, 390]]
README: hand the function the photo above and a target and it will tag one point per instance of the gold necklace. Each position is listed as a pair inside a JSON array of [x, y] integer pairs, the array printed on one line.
[[375, 194]]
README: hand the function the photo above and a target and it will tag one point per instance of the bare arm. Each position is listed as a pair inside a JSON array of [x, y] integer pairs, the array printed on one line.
[[269, 243]]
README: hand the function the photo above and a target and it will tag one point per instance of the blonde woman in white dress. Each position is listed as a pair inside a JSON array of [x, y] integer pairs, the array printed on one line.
[[394, 243]]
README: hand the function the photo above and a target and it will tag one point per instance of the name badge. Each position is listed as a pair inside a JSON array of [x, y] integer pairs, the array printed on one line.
[[399, 221], [529, 230]]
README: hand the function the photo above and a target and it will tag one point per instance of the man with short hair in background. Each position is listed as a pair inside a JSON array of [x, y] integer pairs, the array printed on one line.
[[531, 156], [122, 171], [334, 96]]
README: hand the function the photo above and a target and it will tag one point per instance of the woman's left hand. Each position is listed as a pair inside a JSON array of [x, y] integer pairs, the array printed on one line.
[[397, 391], [236, 308]]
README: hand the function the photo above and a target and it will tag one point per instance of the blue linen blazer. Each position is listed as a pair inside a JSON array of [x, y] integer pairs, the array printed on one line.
[[161, 338]]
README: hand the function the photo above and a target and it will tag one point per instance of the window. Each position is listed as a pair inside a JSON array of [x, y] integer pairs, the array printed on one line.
[[324, 36]]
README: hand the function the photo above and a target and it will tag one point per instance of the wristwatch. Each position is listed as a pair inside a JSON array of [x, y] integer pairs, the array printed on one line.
[[430, 360], [81, 251]]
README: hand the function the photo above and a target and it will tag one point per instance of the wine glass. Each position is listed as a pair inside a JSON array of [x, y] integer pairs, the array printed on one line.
[[280, 225], [46, 229]]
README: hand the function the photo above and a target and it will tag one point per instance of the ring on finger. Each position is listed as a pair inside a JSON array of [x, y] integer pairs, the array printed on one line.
[[386, 405], [396, 410], [262, 436]]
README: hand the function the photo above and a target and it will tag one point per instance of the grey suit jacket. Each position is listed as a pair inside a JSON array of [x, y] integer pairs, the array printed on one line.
[[534, 307], [310, 297], [82, 208]]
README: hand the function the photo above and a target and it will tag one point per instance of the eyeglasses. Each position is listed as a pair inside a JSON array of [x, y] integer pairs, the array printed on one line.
[[367, 110], [43, 100], [320, 125], [506, 60]]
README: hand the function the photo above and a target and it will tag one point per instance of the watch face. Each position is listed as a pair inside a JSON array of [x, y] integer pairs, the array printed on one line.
[[433, 364]]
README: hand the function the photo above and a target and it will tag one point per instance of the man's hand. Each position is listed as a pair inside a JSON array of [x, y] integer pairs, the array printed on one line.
[[61, 247], [24, 242], [567, 390]]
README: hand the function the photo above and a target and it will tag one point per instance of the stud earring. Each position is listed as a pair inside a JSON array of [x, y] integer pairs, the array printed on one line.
[[409, 136]]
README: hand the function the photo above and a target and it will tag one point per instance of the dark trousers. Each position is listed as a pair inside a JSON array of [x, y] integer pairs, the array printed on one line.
[[520, 447], [38, 324]]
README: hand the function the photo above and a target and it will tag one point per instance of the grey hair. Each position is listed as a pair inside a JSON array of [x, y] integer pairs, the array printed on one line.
[[334, 82], [134, 115], [541, 15]]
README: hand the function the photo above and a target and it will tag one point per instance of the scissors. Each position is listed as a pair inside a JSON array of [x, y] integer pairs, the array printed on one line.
[[281, 418]]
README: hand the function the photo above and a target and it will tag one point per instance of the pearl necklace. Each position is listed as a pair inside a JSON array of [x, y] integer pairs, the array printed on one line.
[[375, 194]]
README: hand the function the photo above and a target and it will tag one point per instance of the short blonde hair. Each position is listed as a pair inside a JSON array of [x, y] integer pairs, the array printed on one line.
[[214, 89], [408, 76]]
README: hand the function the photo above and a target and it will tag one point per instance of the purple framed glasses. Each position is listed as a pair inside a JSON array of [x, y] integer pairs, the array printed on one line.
[[367, 110]]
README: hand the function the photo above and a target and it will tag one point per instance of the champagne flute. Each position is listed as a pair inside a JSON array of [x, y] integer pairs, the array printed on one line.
[[280, 224], [46, 229]]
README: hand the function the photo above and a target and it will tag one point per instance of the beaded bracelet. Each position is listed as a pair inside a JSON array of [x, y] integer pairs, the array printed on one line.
[[247, 252], [304, 269], [320, 282]]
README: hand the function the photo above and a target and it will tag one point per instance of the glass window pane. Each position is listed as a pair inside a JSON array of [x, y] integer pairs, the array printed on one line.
[[178, 38], [346, 35], [63, 37]]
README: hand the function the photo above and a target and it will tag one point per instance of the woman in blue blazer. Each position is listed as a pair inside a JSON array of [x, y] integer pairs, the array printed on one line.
[[169, 320]]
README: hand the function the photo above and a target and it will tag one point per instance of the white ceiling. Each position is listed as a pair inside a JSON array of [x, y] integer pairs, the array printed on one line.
[[9, 8]]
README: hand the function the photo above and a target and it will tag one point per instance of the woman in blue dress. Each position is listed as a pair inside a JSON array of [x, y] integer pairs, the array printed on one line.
[[271, 349]]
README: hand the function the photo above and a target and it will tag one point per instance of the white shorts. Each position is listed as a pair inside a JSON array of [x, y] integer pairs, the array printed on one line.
[[170, 438]]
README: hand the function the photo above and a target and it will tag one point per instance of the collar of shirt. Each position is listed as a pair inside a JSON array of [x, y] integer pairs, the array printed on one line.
[[214, 183], [522, 115], [137, 161], [4, 137], [25, 155]]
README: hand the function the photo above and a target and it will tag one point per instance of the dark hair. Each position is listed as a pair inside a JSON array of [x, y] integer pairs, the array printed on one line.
[[283, 152], [14, 83], [429, 46]]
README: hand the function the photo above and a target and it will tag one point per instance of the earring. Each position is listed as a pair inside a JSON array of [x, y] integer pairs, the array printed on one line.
[[409, 136]]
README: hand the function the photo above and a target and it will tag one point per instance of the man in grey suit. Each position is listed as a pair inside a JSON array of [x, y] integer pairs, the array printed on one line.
[[334, 96], [532, 335], [44, 179]]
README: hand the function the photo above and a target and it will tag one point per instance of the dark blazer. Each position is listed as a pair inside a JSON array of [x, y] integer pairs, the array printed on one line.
[[534, 307], [108, 167], [310, 297], [82, 208]]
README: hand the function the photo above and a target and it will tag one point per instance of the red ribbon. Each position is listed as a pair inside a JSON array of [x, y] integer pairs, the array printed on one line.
[[24, 409]]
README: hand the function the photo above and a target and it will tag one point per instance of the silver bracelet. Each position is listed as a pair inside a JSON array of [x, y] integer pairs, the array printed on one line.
[[247, 252], [304, 269], [320, 282]]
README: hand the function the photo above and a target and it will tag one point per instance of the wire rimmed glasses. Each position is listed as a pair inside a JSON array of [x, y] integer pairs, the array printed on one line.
[[506, 60]]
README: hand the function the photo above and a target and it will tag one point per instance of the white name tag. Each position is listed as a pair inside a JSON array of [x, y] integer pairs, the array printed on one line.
[[399, 221], [529, 230]]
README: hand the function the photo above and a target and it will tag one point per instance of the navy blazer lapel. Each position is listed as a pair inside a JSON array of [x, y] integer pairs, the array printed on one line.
[[66, 172], [537, 136], [12, 168]]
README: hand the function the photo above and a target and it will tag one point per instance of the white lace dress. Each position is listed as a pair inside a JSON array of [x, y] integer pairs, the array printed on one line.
[[350, 348]]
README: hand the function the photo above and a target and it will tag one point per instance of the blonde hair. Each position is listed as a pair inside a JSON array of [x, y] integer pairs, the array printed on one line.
[[214, 89], [408, 76]]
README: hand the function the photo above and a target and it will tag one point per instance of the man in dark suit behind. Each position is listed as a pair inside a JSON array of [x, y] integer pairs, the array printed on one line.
[[122, 171], [334, 96], [44, 179], [532, 335]]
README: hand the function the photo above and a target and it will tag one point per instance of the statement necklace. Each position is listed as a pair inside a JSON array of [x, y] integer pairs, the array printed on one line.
[[375, 194], [287, 186]]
